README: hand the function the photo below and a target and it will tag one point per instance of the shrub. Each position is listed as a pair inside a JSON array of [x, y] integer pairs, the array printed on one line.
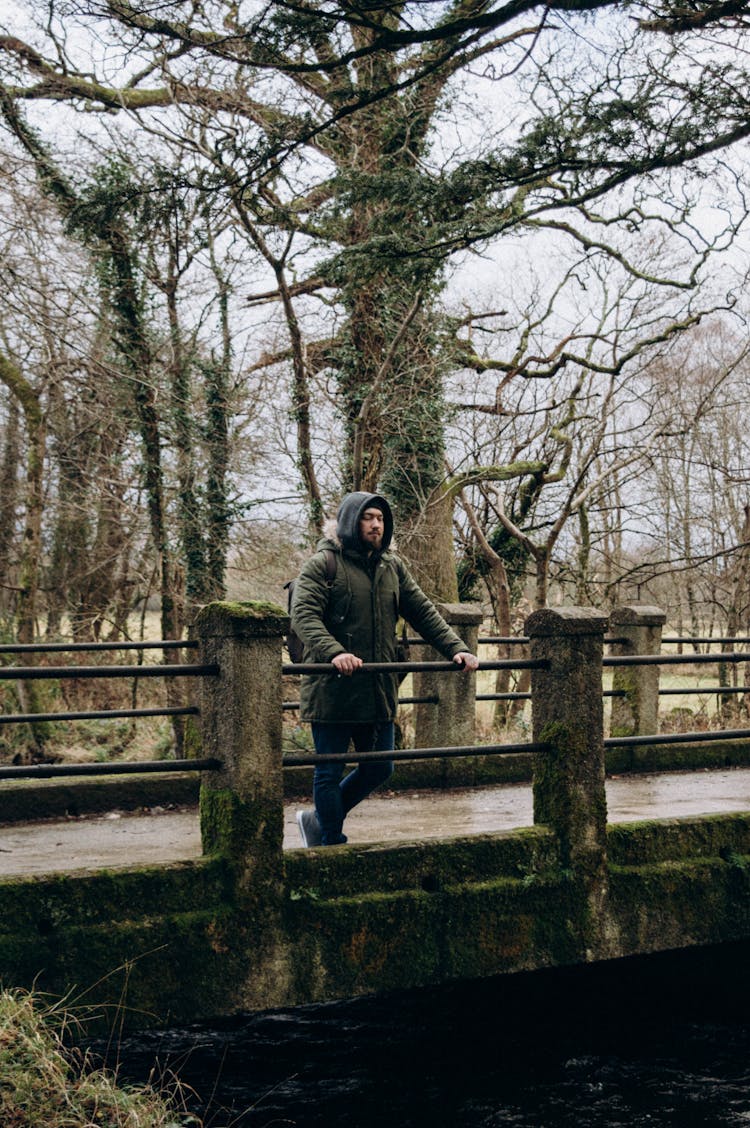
[[45, 1085]]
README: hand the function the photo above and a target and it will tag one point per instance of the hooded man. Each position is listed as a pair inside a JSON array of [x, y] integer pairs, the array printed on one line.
[[347, 621]]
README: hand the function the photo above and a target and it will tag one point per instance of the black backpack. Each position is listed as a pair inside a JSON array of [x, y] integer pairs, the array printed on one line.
[[295, 646]]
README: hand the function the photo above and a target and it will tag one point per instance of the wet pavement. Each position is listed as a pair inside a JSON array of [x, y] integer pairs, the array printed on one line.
[[161, 836]]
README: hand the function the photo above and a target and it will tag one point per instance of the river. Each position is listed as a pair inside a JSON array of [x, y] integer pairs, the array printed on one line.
[[640, 1043]]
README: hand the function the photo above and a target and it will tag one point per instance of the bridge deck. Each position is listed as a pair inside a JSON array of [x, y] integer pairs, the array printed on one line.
[[120, 839]]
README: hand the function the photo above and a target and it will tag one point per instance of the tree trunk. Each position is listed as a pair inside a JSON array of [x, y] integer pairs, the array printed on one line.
[[426, 543], [541, 562], [31, 545], [216, 376], [9, 499], [133, 342]]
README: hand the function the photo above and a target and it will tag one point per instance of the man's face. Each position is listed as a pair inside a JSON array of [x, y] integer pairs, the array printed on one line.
[[371, 528]]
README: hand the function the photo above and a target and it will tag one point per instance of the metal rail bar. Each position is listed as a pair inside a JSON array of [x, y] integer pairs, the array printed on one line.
[[125, 767], [503, 697], [435, 700], [415, 667], [674, 659], [313, 758], [606, 693], [191, 644], [30, 673], [100, 715], [715, 638], [55, 647], [510, 640], [432, 699], [706, 690], [676, 738], [498, 640]]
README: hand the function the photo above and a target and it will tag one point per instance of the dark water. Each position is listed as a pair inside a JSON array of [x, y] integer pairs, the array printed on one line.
[[638, 1044]]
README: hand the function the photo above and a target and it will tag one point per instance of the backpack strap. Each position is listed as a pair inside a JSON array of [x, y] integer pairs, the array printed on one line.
[[331, 565]]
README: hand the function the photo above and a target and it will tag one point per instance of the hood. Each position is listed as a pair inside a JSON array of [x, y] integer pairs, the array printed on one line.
[[349, 513]]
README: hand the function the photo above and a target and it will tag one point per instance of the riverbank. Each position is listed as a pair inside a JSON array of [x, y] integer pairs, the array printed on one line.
[[45, 1084]]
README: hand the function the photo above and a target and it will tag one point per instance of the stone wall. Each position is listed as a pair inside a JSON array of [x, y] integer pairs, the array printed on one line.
[[251, 927]]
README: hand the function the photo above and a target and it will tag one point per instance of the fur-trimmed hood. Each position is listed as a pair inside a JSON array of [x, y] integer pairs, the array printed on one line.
[[343, 531]]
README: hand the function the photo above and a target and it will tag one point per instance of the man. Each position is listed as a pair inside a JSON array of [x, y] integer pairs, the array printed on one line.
[[348, 621]]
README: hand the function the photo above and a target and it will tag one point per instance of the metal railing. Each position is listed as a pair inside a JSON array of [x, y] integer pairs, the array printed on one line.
[[100, 714], [9, 673], [735, 657], [121, 767], [707, 690], [714, 639], [676, 738], [675, 659], [513, 640], [415, 667], [61, 673], [61, 647], [36, 673], [614, 660], [83, 673], [418, 667], [310, 759]]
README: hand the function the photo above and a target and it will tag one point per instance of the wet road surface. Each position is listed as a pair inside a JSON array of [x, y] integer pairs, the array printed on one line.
[[161, 836]]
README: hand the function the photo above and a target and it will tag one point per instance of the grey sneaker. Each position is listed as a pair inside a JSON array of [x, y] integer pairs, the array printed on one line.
[[309, 828]]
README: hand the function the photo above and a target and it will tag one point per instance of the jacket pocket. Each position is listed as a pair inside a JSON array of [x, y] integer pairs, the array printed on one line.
[[338, 608]]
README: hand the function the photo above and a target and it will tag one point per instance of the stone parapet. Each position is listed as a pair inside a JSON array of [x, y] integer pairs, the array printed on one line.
[[450, 722], [635, 703], [568, 779], [241, 804]]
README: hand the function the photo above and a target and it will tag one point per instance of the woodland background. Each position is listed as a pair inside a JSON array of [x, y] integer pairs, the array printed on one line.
[[488, 258]]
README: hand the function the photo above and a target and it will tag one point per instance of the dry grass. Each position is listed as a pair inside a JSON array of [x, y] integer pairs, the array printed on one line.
[[44, 1085], [93, 740]]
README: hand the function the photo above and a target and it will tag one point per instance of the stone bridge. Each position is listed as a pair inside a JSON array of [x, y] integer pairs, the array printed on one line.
[[251, 926]]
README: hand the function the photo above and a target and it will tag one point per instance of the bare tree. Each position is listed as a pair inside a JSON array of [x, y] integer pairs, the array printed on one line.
[[319, 127]]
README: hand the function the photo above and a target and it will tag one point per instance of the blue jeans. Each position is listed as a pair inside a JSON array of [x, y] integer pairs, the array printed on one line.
[[334, 797]]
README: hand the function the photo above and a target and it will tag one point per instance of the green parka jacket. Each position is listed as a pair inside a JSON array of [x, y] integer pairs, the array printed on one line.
[[358, 613]]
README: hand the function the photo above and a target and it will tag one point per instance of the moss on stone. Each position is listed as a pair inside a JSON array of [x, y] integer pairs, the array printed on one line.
[[429, 865], [657, 840], [624, 711], [563, 799], [141, 971], [239, 831], [679, 904], [679, 757], [41, 905], [404, 938], [242, 610], [191, 741], [202, 938]]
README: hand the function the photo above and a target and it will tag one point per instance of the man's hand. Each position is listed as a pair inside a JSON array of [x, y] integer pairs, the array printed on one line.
[[466, 660], [346, 663]]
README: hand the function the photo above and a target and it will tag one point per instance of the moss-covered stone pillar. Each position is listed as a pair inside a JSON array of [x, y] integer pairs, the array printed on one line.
[[568, 781], [242, 804], [451, 722], [637, 712]]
